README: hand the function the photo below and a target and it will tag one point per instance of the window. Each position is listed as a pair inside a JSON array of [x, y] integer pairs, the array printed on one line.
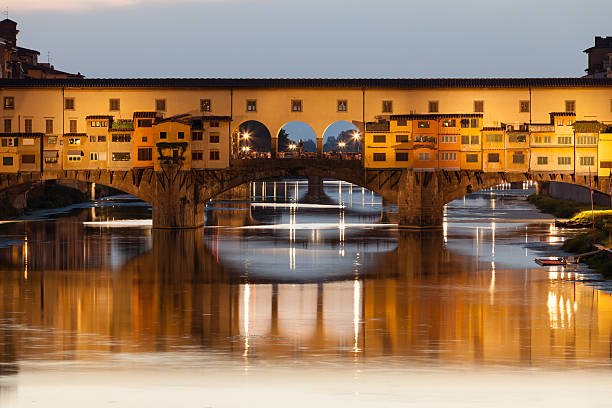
[[296, 105], [587, 161], [181, 135], [402, 122], [424, 139], [380, 138], [163, 135], [145, 139], [27, 142], [73, 126], [524, 106], [28, 159], [197, 136], [433, 106], [145, 122], [465, 123], [448, 156], [7, 161], [205, 105], [74, 141], [570, 122], [583, 140], [564, 161], [7, 125], [495, 138], [387, 106], [197, 156], [402, 156], [74, 158], [69, 103], [518, 158], [448, 139], [474, 123], [51, 140], [145, 154], [214, 124], [570, 106], [402, 138], [478, 106], [423, 124], [471, 158], [4, 143], [493, 157], [251, 106], [160, 105], [564, 140], [379, 157], [121, 138], [27, 125], [121, 156], [113, 104], [51, 157], [449, 123], [93, 156], [49, 126], [92, 139], [101, 139], [9, 102], [343, 105], [214, 137], [559, 122], [465, 139], [517, 138], [542, 160], [543, 139], [423, 156], [214, 155]]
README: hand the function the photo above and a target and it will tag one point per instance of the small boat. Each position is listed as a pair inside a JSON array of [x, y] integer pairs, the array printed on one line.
[[552, 261]]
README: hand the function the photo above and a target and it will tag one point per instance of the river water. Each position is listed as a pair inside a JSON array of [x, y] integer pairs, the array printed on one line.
[[281, 301]]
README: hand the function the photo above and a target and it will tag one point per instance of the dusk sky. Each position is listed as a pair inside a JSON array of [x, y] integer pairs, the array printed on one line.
[[315, 38]]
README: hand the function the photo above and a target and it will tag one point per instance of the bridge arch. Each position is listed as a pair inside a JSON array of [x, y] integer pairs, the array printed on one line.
[[294, 131], [342, 131], [251, 136]]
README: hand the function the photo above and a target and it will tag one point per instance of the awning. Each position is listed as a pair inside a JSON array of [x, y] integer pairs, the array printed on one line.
[[75, 153], [51, 154]]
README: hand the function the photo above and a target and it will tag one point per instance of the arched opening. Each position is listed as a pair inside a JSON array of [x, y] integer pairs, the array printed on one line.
[[297, 139], [342, 137], [252, 139]]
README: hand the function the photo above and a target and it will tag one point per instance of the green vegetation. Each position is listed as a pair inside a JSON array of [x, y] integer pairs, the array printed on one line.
[[580, 244], [7, 210], [54, 196], [558, 208]]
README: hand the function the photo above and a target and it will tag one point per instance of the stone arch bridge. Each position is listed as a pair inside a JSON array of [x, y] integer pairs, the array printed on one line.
[[178, 196]]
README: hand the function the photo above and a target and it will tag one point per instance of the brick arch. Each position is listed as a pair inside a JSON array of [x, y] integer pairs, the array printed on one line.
[[137, 182]]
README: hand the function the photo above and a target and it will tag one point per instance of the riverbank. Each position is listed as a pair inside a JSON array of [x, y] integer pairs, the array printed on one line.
[[582, 243]]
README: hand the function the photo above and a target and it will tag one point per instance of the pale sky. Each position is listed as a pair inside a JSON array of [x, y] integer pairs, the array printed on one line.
[[314, 38]]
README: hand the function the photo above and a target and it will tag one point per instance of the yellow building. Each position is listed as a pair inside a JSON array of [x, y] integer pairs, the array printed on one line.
[[144, 138], [471, 147], [171, 143], [120, 146], [586, 146], [9, 144], [74, 157], [212, 151], [517, 149], [96, 148], [30, 151], [605, 152], [493, 149]]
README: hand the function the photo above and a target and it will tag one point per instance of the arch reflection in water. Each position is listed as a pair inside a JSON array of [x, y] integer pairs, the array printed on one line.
[[415, 299]]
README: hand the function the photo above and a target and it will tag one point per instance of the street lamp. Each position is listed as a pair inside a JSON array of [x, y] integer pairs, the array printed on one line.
[[341, 145]]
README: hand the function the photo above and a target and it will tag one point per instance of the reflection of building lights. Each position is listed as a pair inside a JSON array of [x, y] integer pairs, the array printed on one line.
[[247, 301], [356, 314], [25, 258]]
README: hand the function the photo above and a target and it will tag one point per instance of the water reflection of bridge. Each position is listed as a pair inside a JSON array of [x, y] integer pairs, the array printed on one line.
[[430, 305]]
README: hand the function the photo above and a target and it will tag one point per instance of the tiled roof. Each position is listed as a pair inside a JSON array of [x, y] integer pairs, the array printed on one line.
[[99, 117], [143, 115], [350, 83], [492, 128], [21, 134], [213, 118], [75, 134], [435, 116]]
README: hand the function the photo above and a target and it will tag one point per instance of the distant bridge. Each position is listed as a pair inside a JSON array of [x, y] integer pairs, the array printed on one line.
[[178, 196]]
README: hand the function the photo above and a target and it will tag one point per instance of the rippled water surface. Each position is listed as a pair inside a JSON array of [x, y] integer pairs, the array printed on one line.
[[286, 300]]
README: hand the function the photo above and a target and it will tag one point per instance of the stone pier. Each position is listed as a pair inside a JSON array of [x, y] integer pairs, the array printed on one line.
[[176, 202], [420, 200]]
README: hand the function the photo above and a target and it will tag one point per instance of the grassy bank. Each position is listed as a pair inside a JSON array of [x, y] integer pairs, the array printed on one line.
[[582, 243], [559, 208]]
